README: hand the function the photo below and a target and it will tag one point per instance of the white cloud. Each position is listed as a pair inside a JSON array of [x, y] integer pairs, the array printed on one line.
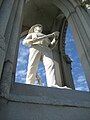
[[20, 76], [21, 60], [81, 78], [82, 88], [44, 73], [81, 83], [23, 51], [22, 80], [20, 73]]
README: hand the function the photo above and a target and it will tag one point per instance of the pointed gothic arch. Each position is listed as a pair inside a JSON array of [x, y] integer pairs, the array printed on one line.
[[77, 17]]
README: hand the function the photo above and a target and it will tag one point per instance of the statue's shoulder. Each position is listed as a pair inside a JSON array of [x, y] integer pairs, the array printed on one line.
[[40, 34]]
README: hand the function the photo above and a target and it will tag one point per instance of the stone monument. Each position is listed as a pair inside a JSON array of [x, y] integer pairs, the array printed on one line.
[[22, 101]]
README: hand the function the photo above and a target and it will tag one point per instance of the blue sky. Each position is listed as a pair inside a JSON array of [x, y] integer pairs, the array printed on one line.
[[77, 70]]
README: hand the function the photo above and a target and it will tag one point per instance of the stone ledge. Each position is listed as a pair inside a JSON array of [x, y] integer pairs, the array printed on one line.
[[29, 111], [49, 96], [48, 101]]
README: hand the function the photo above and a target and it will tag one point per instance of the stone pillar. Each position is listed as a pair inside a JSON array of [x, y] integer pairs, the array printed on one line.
[[67, 72], [5, 12], [88, 12], [10, 54], [8, 29], [2, 53], [58, 71], [1, 2], [79, 21], [65, 60], [10, 24]]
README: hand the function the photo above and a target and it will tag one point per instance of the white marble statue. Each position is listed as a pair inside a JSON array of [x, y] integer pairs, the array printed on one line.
[[41, 47]]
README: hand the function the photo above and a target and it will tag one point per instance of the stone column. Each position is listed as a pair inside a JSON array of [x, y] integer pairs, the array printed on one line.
[[65, 60], [1, 2], [79, 21], [58, 71], [10, 24], [67, 72], [10, 54], [5, 12], [88, 12]]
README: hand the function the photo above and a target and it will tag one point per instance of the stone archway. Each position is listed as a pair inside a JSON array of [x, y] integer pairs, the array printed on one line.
[[58, 24], [78, 18]]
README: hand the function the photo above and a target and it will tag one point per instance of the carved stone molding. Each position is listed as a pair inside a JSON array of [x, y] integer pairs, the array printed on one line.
[[2, 43]]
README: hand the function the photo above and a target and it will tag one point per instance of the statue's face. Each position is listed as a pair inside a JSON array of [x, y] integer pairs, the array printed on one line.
[[38, 29]]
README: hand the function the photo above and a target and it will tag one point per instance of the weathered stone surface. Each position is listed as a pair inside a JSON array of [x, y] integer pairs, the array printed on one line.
[[28, 102], [15, 33], [26, 111], [10, 53], [6, 79], [53, 95], [5, 14], [5, 11], [9, 28], [65, 6], [1, 2], [2, 53]]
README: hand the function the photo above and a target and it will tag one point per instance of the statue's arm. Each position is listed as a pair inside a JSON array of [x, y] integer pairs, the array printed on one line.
[[28, 40], [54, 40]]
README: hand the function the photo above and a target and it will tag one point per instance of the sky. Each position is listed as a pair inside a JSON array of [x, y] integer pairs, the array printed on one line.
[[77, 70]]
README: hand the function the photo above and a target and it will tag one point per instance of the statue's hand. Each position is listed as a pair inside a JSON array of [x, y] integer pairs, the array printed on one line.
[[34, 39], [56, 34], [31, 41]]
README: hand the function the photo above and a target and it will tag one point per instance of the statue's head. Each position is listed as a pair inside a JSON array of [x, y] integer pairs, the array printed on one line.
[[36, 28]]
